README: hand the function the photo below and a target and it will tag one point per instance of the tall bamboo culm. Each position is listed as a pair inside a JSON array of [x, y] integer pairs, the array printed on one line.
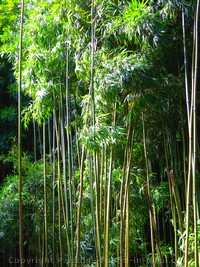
[[195, 199], [59, 185], [126, 204], [192, 152], [152, 217], [45, 198], [95, 155], [69, 156], [78, 224], [122, 200], [19, 142]]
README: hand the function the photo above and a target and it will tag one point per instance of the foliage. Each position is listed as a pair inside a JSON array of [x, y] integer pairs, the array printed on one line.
[[91, 73]]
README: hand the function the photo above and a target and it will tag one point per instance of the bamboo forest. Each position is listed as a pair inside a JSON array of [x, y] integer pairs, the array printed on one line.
[[99, 133]]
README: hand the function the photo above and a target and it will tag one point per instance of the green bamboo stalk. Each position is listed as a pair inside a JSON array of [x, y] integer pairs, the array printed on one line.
[[148, 193], [53, 187], [92, 61], [40, 140], [21, 252], [121, 250], [34, 141], [101, 183], [107, 226], [59, 195], [69, 153], [97, 202], [175, 231], [127, 258], [78, 225], [66, 226], [153, 226], [65, 203], [185, 67], [184, 151], [195, 199], [192, 148], [92, 202], [126, 195], [63, 152], [189, 178], [43, 249], [95, 161], [105, 193], [49, 141], [173, 213], [175, 193], [45, 197], [108, 199]]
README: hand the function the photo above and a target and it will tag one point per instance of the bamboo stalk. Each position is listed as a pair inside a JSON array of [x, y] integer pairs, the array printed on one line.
[[127, 233], [101, 183], [64, 165], [153, 226], [122, 195], [192, 148], [45, 197], [107, 227], [92, 203], [21, 252], [173, 213], [148, 194], [59, 196], [177, 200], [108, 199], [127, 197], [78, 225], [34, 141], [105, 194], [186, 67], [97, 202], [53, 187], [195, 200], [69, 153]]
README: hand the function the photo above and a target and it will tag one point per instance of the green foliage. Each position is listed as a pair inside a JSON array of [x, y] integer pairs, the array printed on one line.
[[191, 245], [160, 195], [32, 196], [96, 138], [137, 69], [8, 114], [9, 212]]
